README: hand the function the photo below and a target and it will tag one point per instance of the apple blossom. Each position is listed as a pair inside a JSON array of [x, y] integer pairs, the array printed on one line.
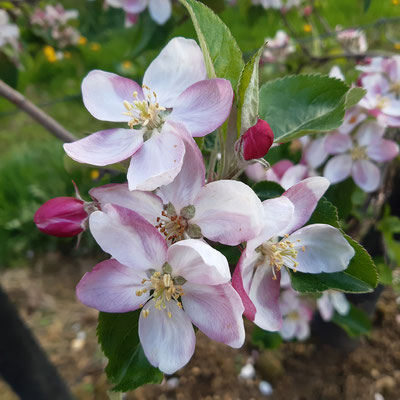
[[9, 33], [278, 48], [297, 315], [175, 95], [353, 156], [160, 10], [312, 249], [353, 40], [224, 211], [175, 286], [331, 301]]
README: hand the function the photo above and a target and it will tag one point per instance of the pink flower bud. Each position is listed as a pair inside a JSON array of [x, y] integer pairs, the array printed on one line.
[[307, 10], [256, 141], [61, 216]]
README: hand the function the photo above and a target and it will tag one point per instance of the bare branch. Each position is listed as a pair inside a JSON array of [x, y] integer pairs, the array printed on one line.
[[36, 113]]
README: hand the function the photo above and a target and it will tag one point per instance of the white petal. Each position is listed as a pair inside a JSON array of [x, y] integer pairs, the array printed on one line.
[[338, 168], [104, 93], [325, 306], [146, 204], [293, 175], [278, 214], [366, 175], [326, 250], [157, 162], [369, 132], [228, 212], [340, 303], [264, 293], [168, 343], [204, 106], [134, 6], [338, 143], [305, 196], [216, 311], [198, 262], [160, 10], [128, 237], [179, 65], [289, 328], [105, 147], [111, 287], [185, 187], [315, 153]]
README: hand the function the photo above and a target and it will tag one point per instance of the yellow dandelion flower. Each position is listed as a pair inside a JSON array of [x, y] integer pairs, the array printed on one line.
[[307, 28], [82, 40]]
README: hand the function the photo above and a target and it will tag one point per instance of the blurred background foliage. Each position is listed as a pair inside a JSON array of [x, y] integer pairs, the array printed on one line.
[[33, 168]]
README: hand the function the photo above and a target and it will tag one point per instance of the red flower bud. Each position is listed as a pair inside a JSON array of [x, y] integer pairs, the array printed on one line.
[[256, 141], [61, 216], [307, 10]]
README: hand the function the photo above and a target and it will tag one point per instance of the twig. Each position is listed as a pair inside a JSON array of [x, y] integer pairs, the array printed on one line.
[[36, 113]]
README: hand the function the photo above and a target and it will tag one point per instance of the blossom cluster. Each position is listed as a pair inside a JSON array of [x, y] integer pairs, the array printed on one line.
[[278, 48], [9, 37], [53, 24], [283, 5], [358, 144], [160, 225]]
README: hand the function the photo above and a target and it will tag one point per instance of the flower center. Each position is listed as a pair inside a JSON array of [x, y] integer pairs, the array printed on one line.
[[165, 288], [172, 226], [277, 255], [176, 227], [358, 153], [145, 113], [293, 315], [382, 102]]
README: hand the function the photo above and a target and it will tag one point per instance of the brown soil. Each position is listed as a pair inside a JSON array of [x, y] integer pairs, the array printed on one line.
[[45, 297]]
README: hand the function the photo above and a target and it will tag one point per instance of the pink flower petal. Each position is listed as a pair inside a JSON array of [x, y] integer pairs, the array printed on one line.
[[293, 175], [198, 262], [325, 307], [111, 287], [204, 106], [315, 153], [338, 168], [383, 150], [264, 293], [256, 172], [168, 343], [128, 237], [179, 65], [105, 147], [366, 175], [238, 284], [369, 132], [325, 249], [158, 161], [338, 143], [228, 212], [146, 204], [134, 6], [281, 167], [160, 10], [104, 93], [305, 196], [182, 191], [216, 311]]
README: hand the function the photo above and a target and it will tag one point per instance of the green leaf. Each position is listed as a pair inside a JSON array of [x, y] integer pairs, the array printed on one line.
[[359, 277], [385, 273], [248, 94], [367, 4], [267, 190], [298, 105], [341, 196], [355, 323], [222, 55], [127, 367], [354, 95], [265, 339]]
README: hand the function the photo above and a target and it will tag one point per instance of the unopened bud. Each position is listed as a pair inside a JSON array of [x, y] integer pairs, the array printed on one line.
[[61, 216], [255, 142], [307, 11]]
